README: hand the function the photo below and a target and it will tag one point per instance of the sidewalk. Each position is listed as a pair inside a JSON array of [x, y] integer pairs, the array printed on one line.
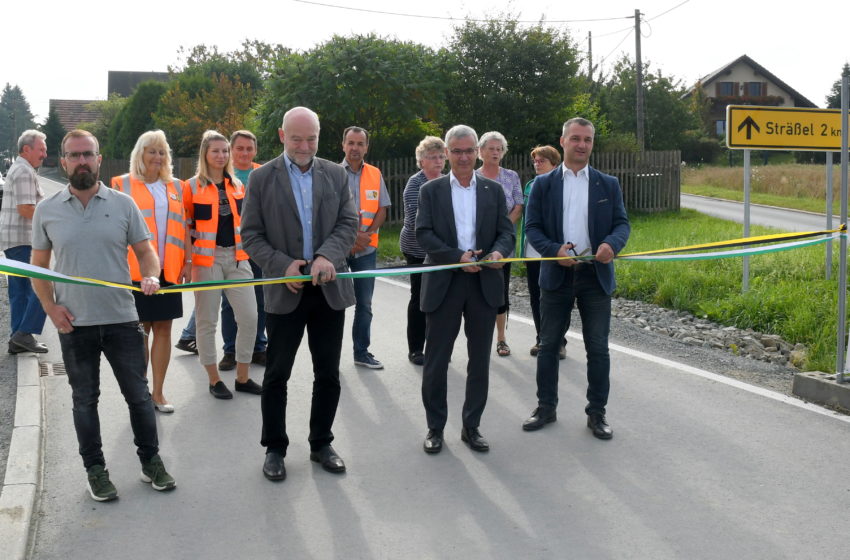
[[697, 468]]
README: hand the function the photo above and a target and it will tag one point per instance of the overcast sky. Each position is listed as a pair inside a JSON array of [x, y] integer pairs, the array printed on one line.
[[62, 50]]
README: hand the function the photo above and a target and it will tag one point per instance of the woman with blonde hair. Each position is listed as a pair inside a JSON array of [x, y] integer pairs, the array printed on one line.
[[159, 197], [213, 201]]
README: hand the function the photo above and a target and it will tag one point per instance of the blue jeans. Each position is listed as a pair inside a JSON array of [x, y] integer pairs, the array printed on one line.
[[188, 333], [124, 348], [363, 289], [228, 320], [594, 305], [27, 314]]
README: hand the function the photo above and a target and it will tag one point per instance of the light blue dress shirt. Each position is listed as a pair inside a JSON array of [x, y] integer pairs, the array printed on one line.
[[302, 188]]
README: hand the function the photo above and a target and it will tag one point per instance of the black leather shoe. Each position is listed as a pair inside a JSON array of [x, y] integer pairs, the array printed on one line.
[[433, 442], [273, 468], [596, 422], [541, 416], [228, 362], [328, 458], [25, 342], [249, 386], [416, 358], [473, 438], [259, 358], [220, 391]]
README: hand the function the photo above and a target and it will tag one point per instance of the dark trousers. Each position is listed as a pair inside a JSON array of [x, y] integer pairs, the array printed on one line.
[[415, 316], [532, 271], [27, 314], [581, 287], [124, 348], [324, 337], [228, 320], [463, 300]]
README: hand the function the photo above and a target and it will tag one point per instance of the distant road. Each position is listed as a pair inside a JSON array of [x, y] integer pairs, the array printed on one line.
[[769, 216]]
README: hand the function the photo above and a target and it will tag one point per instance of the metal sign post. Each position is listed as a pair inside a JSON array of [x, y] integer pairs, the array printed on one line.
[[745, 281], [841, 367], [829, 213]]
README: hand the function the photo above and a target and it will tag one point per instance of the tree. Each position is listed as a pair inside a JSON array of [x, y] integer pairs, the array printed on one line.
[[134, 118], [517, 80], [108, 110], [15, 117], [833, 100], [192, 105], [391, 88], [54, 131], [667, 115]]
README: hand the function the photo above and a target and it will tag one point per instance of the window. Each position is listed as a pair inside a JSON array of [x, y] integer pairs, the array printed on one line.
[[720, 128], [754, 89], [726, 88]]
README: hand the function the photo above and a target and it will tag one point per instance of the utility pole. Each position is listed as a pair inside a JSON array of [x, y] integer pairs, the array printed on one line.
[[589, 55], [638, 84]]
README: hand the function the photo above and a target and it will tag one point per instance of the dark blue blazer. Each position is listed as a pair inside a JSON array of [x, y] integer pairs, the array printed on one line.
[[607, 222]]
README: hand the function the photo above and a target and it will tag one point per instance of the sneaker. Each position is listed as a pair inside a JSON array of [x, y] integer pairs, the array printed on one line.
[[101, 488], [416, 358], [368, 360], [153, 471], [535, 350], [228, 362], [187, 345], [220, 390], [259, 358], [562, 352]]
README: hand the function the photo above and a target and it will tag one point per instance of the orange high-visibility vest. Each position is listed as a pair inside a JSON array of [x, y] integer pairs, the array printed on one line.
[[175, 230], [370, 199], [201, 203]]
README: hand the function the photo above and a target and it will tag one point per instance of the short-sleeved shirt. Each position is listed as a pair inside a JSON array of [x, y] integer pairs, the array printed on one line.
[[91, 242], [21, 188], [511, 185], [354, 187]]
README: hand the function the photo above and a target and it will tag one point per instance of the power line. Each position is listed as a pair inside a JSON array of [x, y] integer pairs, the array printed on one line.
[[449, 18], [668, 11]]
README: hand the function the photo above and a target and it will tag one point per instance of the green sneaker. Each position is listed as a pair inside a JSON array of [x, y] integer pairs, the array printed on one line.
[[101, 488], [154, 472]]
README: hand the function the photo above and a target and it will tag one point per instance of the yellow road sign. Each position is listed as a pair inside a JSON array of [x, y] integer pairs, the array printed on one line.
[[783, 128]]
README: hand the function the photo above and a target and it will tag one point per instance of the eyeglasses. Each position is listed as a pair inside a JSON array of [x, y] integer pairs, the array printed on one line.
[[539, 161], [466, 152], [76, 156], [435, 157]]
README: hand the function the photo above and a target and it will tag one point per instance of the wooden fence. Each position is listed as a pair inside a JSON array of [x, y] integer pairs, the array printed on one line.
[[651, 181]]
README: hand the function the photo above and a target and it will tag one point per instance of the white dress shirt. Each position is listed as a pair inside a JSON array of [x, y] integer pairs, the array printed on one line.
[[463, 203], [576, 186]]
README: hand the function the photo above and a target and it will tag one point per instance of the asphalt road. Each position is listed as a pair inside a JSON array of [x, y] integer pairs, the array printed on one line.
[[699, 467], [770, 216]]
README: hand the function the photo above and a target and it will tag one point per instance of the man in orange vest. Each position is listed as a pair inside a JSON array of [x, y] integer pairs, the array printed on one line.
[[371, 199]]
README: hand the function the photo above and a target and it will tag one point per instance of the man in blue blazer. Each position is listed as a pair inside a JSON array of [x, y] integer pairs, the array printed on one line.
[[462, 217], [575, 210]]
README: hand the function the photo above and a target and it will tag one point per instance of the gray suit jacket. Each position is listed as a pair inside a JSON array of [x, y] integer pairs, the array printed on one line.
[[437, 235], [272, 236]]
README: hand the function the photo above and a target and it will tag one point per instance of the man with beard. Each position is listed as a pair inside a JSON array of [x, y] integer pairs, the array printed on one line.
[[299, 218], [89, 226], [21, 193]]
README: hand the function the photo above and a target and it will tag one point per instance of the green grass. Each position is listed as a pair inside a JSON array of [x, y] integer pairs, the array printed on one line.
[[788, 293], [793, 202]]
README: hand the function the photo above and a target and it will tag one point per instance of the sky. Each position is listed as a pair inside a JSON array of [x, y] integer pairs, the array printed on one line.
[[57, 50]]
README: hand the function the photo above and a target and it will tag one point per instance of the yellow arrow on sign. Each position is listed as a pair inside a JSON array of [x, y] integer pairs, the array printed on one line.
[[783, 128]]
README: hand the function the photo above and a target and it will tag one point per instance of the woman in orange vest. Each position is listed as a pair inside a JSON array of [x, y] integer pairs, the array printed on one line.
[[159, 196], [213, 202]]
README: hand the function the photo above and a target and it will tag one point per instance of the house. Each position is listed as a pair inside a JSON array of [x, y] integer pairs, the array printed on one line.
[[73, 112], [744, 82]]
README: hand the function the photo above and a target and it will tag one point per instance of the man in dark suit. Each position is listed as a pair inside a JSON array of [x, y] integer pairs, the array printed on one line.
[[462, 218], [576, 210], [299, 218]]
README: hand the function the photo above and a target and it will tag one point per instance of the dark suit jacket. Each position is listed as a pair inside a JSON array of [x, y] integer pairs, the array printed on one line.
[[272, 236], [437, 235], [607, 222]]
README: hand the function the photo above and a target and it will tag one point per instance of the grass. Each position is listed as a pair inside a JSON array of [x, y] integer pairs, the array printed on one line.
[[795, 203], [788, 293]]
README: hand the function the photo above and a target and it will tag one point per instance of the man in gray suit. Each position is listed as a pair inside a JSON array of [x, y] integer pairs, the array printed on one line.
[[462, 217], [299, 218]]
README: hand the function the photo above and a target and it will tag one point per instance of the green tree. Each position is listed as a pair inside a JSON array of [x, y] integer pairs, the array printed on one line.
[[189, 108], [134, 118], [15, 117], [517, 80], [54, 131], [667, 115], [833, 100], [391, 88], [108, 110]]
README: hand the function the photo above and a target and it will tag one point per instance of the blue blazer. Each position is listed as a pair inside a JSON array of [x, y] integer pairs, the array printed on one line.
[[607, 222]]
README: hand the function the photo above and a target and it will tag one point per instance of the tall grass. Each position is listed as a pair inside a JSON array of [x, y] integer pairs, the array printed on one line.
[[790, 180], [788, 294]]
